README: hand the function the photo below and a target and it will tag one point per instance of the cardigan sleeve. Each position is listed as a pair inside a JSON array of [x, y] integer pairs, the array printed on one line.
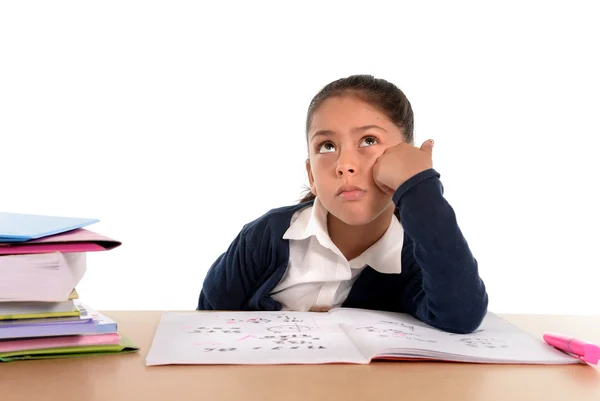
[[242, 277], [230, 280], [444, 288]]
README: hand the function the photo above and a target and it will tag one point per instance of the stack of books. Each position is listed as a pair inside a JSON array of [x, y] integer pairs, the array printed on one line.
[[42, 260]]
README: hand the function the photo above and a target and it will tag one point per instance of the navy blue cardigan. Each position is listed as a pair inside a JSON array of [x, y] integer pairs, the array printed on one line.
[[439, 283]]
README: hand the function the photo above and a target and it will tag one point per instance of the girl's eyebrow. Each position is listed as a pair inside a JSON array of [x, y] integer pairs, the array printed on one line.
[[355, 130]]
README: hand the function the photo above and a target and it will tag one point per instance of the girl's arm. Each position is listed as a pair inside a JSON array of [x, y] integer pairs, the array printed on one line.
[[229, 281], [444, 289], [255, 260]]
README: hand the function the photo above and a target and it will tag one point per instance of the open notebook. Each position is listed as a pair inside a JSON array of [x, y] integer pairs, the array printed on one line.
[[342, 335]]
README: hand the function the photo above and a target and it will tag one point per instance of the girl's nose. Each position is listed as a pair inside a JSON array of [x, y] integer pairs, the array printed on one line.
[[345, 170], [346, 165]]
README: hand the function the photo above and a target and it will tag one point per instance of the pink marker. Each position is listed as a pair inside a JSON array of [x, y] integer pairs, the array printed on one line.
[[583, 350]]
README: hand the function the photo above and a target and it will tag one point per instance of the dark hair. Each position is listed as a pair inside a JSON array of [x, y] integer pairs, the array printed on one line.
[[385, 96]]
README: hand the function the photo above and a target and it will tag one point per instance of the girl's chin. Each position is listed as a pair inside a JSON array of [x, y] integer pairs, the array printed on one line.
[[359, 213], [355, 216]]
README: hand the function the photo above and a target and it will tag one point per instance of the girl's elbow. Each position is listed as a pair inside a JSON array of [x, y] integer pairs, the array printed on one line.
[[469, 319], [459, 319]]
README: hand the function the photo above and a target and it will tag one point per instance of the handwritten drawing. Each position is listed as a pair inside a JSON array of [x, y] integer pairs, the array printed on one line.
[[483, 342], [278, 342], [219, 349], [293, 347], [404, 333], [407, 326], [291, 338], [254, 320], [382, 331], [285, 318], [275, 317], [216, 330], [289, 328], [276, 332], [249, 336]]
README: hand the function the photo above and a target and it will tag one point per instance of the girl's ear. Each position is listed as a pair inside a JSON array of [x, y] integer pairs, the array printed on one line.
[[311, 178]]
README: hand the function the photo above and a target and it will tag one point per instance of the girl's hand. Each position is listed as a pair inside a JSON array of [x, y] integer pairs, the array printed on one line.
[[399, 163]]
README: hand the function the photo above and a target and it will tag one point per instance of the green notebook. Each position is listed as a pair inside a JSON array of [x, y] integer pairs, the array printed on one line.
[[125, 346]]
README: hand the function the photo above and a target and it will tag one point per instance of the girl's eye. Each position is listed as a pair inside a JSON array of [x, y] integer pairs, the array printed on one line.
[[326, 147], [369, 141]]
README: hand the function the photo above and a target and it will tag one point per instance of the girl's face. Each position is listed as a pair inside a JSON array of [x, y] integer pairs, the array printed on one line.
[[345, 138]]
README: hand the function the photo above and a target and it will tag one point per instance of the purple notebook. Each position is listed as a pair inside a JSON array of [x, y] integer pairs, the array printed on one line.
[[45, 327]]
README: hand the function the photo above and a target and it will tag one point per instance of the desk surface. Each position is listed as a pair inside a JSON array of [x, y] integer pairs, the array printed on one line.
[[125, 377]]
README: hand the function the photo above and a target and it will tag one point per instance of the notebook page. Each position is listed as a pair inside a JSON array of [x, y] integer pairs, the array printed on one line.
[[250, 338], [495, 341], [374, 331]]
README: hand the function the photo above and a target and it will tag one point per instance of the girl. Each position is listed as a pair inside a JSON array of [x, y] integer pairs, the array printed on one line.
[[374, 231]]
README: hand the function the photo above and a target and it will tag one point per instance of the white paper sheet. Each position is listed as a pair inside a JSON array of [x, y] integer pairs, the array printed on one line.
[[495, 341], [340, 336], [250, 338]]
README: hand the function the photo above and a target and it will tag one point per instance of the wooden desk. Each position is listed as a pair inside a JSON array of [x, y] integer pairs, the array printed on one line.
[[125, 377]]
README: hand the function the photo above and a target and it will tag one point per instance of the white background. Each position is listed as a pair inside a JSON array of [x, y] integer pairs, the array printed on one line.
[[177, 122]]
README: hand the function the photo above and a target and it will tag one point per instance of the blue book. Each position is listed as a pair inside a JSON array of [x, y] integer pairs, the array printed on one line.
[[17, 227], [103, 323]]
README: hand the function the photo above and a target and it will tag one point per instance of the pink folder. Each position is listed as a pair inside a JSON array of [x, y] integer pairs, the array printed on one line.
[[56, 342], [79, 240]]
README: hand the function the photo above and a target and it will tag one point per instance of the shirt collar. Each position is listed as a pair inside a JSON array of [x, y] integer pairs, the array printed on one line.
[[384, 256]]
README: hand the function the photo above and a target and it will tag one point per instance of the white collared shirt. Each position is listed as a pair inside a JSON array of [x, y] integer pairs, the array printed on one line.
[[318, 275]]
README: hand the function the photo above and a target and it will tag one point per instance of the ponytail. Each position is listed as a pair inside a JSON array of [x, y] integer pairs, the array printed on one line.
[[308, 196]]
